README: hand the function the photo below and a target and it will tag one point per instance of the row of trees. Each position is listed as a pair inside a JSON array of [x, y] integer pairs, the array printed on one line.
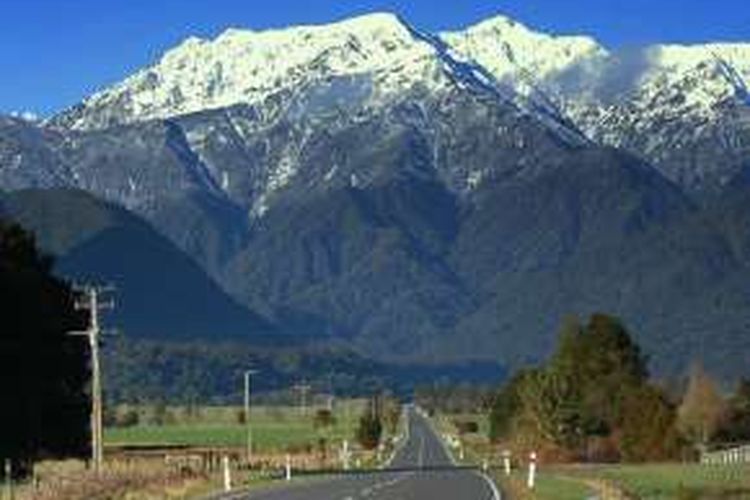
[[593, 400], [454, 398], [43, 370]]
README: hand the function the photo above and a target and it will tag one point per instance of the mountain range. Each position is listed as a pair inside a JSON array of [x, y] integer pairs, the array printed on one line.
[[425, 197]]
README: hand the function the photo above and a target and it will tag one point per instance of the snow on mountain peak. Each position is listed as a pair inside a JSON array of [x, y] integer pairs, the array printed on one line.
[[245, 66], [510, 50], [388, 57]]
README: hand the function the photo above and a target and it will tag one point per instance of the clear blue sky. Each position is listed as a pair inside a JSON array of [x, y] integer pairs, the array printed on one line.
[[54, 52]]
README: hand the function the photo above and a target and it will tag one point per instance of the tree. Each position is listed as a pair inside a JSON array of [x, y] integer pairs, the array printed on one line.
[[648, 431], [43, 370], [160, 414], [702, 409], [505, 407], [600, 362], [323, 418], [736, 427], [548, 408], [370, 427], [391, 414], [585, 398], [129, 418]]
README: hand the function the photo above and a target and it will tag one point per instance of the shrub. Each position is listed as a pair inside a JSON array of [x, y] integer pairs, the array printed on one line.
[[323, 418], [369, 431]]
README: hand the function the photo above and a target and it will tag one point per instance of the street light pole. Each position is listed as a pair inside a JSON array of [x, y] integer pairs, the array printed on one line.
[[248, 374]]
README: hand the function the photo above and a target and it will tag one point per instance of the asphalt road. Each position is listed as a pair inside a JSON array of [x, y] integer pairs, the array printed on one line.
[[420, 469]]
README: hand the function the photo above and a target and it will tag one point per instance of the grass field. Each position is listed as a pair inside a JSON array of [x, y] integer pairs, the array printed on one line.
[[273, 428], [643, 481], [666, 481]]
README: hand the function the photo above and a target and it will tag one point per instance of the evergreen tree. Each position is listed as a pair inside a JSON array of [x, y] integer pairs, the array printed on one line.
[[600, 362], [43, 370], [647, 431], [505, 407], [591, 399]]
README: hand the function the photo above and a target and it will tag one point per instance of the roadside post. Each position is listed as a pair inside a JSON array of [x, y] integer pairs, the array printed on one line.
[[345, 454], [506, 462], [288, 468], [532, 470], [227, 474]]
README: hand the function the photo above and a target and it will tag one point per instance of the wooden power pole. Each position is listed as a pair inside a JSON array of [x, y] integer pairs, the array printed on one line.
[[248, 423], [91, 301]]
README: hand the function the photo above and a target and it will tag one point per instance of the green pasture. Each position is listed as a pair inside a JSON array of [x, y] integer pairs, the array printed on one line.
[[273, 428]]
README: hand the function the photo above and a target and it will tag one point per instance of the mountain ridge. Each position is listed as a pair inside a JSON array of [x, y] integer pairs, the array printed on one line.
[[401, 194]]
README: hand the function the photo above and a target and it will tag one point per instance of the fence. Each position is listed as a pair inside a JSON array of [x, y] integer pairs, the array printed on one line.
[[737, 455]]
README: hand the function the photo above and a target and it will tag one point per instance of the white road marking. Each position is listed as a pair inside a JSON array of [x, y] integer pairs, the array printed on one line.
[[491, 483]]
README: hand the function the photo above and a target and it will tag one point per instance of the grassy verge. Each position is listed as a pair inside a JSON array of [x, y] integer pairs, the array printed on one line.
[[643, 481], [663, 481], [548, 487], [142, 479]]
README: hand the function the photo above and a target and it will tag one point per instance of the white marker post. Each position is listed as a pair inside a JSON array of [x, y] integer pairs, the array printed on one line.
[[345, 454], [506, 462], [532, 470], [227, 474], [288, 474]]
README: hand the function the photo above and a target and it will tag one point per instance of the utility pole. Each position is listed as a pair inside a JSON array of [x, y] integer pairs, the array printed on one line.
[[248, 426], [8, 479], [303, 388], [92, 302], [331, 395]]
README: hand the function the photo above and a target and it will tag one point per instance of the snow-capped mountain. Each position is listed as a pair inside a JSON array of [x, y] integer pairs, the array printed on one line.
[[685, 109], [246, 67], [386, 55], [520, 56], [256, 107], [659, 102], [374, 181]]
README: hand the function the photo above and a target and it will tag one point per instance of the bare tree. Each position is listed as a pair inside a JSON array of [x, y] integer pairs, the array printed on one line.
[[702, 409]]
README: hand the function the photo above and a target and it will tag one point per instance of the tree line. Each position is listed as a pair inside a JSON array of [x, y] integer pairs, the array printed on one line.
[[593, 400]]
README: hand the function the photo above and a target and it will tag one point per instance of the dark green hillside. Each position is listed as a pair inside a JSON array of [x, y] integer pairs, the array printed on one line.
[[161, 292], [366, 265]]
